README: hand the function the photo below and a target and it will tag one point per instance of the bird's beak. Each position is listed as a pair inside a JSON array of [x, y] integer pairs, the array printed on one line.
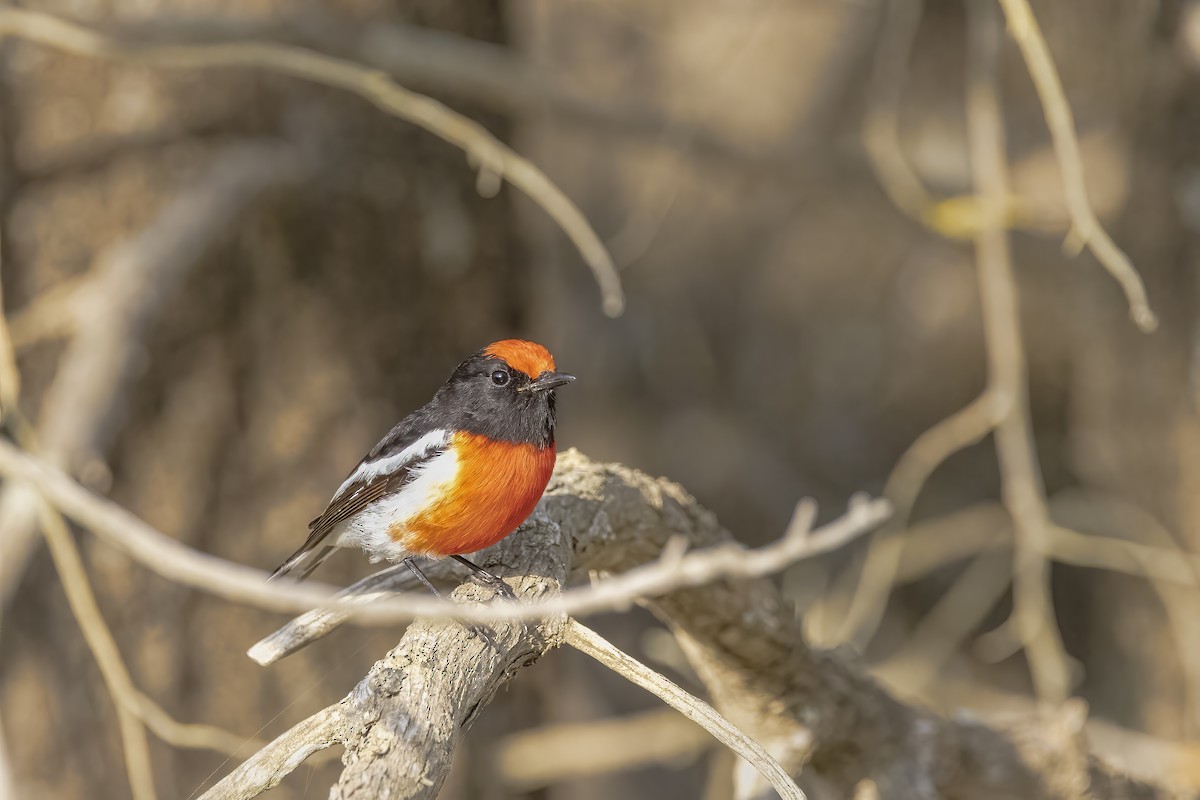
[[547, 381]]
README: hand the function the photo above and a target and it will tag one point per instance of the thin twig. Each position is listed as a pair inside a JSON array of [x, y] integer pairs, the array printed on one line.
[[588, 641], [178, 562], [1022, 490], [1087, 230], [373, 85]]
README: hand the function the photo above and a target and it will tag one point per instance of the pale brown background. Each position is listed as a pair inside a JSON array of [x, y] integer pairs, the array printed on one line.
[[788, 331]]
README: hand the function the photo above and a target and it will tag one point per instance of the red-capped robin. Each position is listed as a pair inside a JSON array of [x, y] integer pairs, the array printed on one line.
[[456, 475]]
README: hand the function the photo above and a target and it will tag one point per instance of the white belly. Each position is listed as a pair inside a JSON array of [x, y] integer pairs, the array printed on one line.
[[372, 528]]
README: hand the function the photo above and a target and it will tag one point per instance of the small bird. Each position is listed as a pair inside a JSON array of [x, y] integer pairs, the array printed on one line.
[[454, 476]]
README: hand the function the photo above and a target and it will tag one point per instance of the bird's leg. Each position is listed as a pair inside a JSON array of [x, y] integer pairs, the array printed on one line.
[[495, 581], [411, 563]]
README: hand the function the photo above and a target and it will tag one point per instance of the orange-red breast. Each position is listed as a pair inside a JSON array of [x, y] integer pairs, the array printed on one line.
[[454, 476]]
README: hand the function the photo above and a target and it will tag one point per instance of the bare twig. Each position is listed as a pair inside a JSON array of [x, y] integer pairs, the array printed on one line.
[[488, 152], [128, 287], [1087, 230], [1022, 490], [176, 561], [588, 641]]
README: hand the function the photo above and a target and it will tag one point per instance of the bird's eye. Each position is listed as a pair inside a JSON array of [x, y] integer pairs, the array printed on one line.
[[500, 377]]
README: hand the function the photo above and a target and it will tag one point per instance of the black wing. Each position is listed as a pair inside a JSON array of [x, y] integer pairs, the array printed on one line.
[[385, 470]]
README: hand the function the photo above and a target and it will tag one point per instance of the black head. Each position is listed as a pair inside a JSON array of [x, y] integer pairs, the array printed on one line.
[[504, 391]]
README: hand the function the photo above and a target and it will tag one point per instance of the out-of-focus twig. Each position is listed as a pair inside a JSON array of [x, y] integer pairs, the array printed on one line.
[[957, 613], [1086, 229], [373, 85], [1021, 483], [560, 752], [960, 430], [51, 315], [10, 377], [100, 640], [126, 291], [588, 641], [881, 137], [112, 668]]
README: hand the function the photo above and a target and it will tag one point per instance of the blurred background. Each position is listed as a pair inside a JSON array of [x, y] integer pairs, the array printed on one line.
[[296, 270]]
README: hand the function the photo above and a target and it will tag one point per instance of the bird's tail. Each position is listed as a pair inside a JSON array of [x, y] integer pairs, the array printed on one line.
[[304, 560]]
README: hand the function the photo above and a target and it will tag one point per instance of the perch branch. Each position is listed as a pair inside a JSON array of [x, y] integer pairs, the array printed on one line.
[[373, 85]]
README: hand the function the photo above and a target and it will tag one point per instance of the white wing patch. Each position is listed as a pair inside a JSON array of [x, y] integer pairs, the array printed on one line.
[[433, 440], [370, 528]]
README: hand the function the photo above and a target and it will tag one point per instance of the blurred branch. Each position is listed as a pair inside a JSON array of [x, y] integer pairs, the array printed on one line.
[[1021, 482], [82, 601], [881, 136], [51, 315], [961, 217], [1086, 229], [108, 657], [124, 294], [10, 377], [955, 616], [483, 149], [960, 430], [551, 754], [588, 641], [671, 571], [436, 61]]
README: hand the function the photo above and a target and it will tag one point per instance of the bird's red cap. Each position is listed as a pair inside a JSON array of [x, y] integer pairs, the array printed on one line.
[[528, 357]]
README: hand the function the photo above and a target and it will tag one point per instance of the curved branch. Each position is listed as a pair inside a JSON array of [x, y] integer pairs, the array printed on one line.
[[669, 572]]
